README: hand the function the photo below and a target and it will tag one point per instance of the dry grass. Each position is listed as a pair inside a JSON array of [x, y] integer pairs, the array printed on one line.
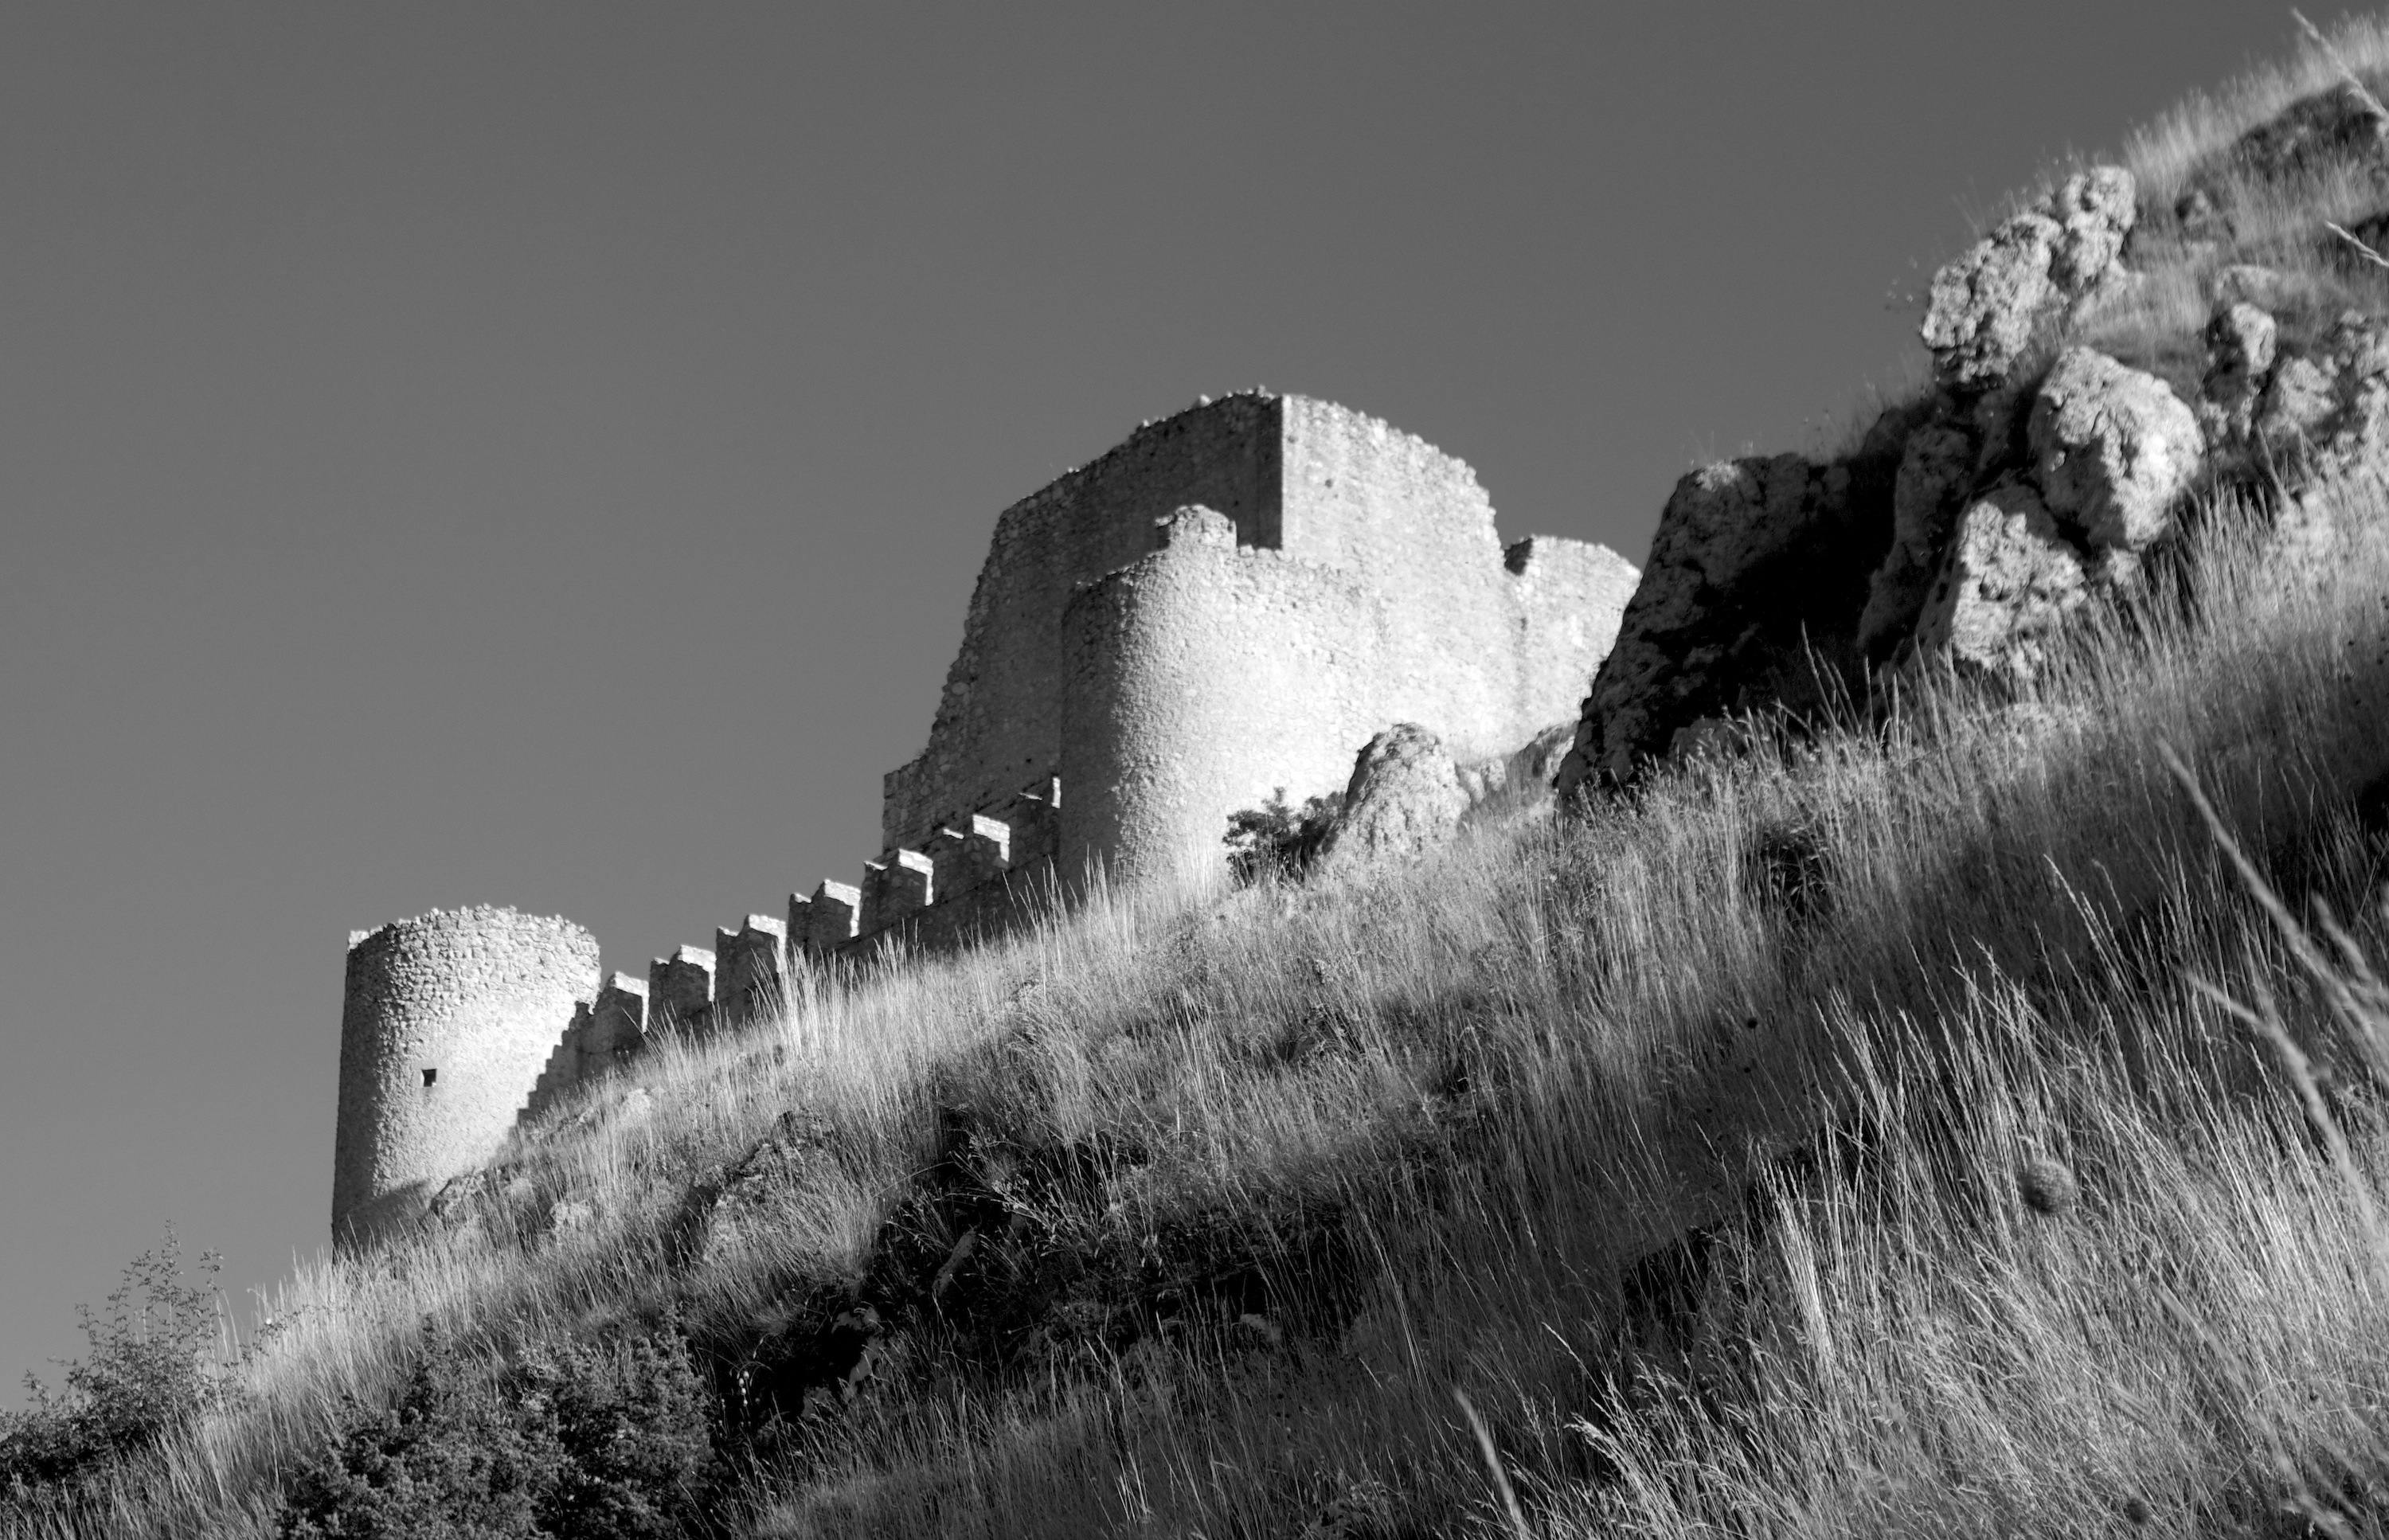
[[1960, 1040], [1496, 1080]]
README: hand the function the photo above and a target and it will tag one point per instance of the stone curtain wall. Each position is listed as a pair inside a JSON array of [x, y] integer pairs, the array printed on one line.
[[1567, 597], [1485, 646], [447, 1020]]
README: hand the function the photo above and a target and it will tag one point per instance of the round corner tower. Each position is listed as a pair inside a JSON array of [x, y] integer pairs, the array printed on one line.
[[1201, 679], [448, 1020]]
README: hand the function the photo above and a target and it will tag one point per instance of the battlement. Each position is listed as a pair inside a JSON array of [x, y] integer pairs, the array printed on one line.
[[1227, 605]]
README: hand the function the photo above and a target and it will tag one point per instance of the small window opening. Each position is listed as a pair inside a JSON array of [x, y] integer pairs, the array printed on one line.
[[429, 1076]]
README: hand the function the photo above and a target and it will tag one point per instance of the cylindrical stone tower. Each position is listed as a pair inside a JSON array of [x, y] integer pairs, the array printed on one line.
[[1202, 678], [448, 1020]]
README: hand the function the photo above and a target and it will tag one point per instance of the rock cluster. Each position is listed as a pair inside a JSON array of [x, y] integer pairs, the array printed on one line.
[[2039, 474], [2325, 406], [1964, 529], [1959, 533]]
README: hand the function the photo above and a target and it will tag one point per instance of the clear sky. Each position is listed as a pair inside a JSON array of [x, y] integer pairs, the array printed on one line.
[[540, 454]]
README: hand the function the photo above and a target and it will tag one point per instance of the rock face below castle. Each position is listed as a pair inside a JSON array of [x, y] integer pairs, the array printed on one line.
[[1230, 603]]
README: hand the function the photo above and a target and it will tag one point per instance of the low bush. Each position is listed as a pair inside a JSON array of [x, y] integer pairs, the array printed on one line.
[[153, 1367], [1278, 839], [606, 1441]]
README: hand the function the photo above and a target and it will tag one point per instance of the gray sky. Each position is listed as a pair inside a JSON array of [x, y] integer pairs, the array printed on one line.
[[539, 454]]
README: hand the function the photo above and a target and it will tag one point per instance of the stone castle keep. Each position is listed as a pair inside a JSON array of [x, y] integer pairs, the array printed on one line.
[[1228, 604]]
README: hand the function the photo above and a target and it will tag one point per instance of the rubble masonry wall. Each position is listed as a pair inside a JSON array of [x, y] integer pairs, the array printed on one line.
[[998, 719], [447, 1021], [1204, 678]]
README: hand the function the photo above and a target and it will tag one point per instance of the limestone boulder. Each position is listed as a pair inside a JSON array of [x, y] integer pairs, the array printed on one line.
[[2326, 407], [1404, 799], [2242, 340], [2011, 580], [1527, 770], [1739, 543], [2094, 210], [2300, 401], [2112, 449], [1725, 519], [1985, 307]]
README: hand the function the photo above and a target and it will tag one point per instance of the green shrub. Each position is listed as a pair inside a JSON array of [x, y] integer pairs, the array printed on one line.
[[152, 1368], [1277, 838], [578, 1441]]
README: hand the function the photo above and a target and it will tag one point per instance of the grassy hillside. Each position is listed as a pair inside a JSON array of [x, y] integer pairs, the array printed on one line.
[[1938, 1123]]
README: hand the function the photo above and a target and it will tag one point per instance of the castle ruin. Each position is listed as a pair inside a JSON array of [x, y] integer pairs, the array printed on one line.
[[1222, 609]]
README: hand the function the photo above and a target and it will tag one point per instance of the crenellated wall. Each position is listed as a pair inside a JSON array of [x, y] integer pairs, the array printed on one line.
[[1225, 606]]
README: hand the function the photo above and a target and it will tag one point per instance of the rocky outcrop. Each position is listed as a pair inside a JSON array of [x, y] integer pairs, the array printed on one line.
[[2326, 134], [2112, 449], [1984, 305], [1404, 799], [1978, 541], [2241, 343], [1960, 532], [2283, 415], [2039, 475], [1987, 306], [1534, 765], [1719, 617], [1527, 770], [2309, 138], [2095, 209], [2326, 405], [2008, 579]]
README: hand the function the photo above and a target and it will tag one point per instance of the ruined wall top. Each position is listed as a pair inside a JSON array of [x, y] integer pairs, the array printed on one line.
[[1320, 483]]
